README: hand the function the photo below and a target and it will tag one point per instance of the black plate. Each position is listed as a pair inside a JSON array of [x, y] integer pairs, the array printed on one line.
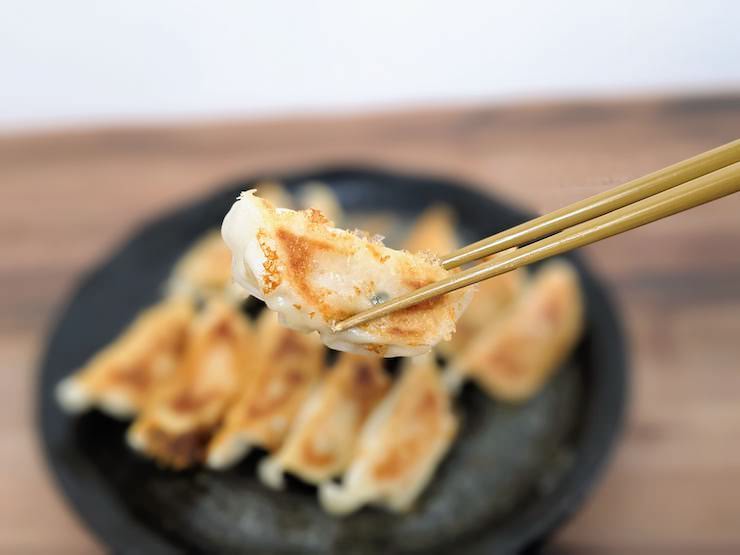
[[515, 473]]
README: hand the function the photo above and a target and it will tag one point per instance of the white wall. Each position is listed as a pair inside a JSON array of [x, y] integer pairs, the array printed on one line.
[[72, 61]]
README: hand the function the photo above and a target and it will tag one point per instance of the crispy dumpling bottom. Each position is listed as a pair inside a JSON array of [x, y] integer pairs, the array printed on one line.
[[315, 275], [514, 356], [321, 442], [119, 379], [178, 421], [287, 366], [401, 444]]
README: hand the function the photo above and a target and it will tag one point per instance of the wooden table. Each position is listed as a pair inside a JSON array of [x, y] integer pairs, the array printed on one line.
[[68, 197]]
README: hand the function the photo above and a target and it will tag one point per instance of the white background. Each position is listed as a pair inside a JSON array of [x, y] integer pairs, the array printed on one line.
[[68, 62]]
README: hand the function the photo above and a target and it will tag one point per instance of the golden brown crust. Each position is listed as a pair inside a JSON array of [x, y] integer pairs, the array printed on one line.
[[180, 417], [272, 276], [179, 451], [316, 275], [317, 217], [300, 253], [401, 444], [417, 421], [143, 357], [513, 357], [493, 299], [400, 458], [286, 366], [322, 441]]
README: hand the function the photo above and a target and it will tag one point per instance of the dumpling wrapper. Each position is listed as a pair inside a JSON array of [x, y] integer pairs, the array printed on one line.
[[179, 420], [434, 231], [512, 358], [288, 365], [119, 379], [321, 442], [204, 270], [315, 275], [400, 446]]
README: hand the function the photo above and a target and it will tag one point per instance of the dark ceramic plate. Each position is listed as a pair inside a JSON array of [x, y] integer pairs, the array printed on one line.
[[515, 473]]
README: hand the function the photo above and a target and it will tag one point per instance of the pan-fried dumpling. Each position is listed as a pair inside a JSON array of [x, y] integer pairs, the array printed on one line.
[[433, 231], [318, 196], [119, 378], [315, 275], [180, 418], [321, 442], [494, 297], [512, 358], [204, 270], [288, 365], [400, 446]]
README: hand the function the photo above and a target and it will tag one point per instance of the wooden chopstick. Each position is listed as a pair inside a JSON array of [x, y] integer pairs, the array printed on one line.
[[695, 192], [597, 205]]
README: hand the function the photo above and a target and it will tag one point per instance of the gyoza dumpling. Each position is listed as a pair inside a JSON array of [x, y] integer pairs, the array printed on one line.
[[179, 420], [119, 379], [315, 275], [287, 366], [320, 197], [433, 231], [494, 297], [204, 270], [400, 446], [322, 440], [512, 358]]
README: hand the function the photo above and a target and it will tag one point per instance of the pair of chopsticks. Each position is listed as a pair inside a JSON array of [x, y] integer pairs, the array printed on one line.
[[692, 182]]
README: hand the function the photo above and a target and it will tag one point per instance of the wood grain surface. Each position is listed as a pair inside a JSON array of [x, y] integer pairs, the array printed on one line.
[[68, 197]]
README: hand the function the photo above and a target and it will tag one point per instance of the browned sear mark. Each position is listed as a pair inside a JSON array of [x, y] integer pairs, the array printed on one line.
[[295, 378], [299, 253], [223, 330], [409, 333], [314, 458], [187, 402], [289, 345], [375, 348], [377, 253], [363, 375], [397, 460], [136, 377], [317, 217], [505, 359], [553, 311], [428, 304], [180, 451], [272, 278]]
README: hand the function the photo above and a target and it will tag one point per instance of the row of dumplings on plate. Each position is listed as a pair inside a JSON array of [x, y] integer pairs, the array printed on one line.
[[203, 383]]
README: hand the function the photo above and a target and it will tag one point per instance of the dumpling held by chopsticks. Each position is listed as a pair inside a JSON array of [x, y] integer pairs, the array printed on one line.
[[315, 275]]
